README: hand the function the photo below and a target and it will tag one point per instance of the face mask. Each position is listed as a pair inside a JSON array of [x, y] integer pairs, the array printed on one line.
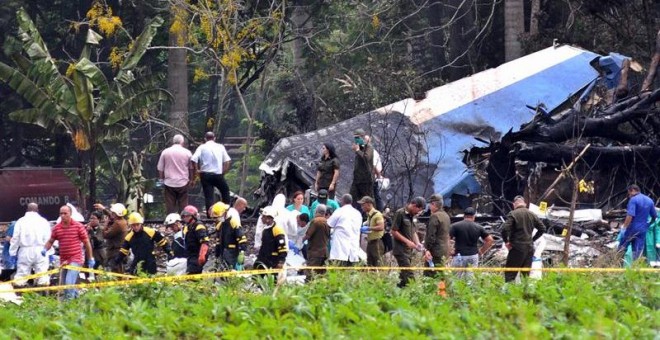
[[359, 141]]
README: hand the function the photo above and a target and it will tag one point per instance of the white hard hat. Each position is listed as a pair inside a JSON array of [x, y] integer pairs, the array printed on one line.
[[172, 218], [269, 211], [118, 209]]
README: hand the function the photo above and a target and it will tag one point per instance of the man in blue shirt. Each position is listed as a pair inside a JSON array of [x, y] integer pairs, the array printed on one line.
[[640, 207]]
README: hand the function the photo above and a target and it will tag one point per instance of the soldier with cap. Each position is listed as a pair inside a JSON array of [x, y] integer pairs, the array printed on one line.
[[375, 229], [406, 240], [517, 236], [363, 179], [436, 239]]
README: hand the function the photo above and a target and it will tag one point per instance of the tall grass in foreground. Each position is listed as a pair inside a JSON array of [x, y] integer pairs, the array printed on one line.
[[353, 305]]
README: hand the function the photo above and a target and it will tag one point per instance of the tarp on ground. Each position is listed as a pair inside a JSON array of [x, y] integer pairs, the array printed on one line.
[[422, 142]]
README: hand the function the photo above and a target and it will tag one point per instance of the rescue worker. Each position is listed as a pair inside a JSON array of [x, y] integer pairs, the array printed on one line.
[[273, 251], [95, 235], [196, 240], [141, 241], [70, 234], [114, 233], [173, 222], [363, 178], [31, 233], [176, 265], [406, 240], [436, 239], [517, 236], [231, 239], [375, 229]]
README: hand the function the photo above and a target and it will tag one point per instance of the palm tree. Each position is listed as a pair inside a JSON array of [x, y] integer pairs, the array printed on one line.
[[83, 102]]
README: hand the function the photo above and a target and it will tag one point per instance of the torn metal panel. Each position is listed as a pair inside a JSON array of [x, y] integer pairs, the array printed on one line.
[[422, 142]]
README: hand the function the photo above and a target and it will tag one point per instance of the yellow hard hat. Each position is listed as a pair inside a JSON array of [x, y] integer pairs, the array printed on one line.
[[135, 218], [219, 209]]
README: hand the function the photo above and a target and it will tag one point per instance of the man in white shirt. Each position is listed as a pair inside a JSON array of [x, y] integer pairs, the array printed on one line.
[[345, 225], [31, 233], [175, 170], [211, 161]]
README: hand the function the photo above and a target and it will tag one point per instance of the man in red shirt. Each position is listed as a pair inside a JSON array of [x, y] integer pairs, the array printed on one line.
[[70, 235]]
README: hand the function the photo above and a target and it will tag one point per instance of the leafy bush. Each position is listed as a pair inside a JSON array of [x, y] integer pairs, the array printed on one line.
[[352, 305]]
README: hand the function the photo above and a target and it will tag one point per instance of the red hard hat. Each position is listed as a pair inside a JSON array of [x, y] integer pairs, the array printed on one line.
[[189, 210]]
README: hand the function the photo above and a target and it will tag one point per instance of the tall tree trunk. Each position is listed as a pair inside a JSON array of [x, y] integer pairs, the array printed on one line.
[[303, 94], [92, 179], [534, 17], [462, 32], [435, 15], [177, 71], [514, 25]]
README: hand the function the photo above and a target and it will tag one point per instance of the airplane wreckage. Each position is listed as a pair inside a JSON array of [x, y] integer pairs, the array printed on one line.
[[502, 132]]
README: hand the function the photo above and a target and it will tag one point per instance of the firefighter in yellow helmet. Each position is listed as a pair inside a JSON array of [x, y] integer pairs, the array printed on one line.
[[273, 251], [232, 242], [142, 241]]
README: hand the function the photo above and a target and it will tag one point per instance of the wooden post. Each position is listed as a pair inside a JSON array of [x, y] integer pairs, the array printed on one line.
[[569, 227], [563, 174]]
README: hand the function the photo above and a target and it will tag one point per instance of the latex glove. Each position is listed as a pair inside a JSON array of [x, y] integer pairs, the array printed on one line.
[[91, 263], [240, 259], [365, 230], [43, 252], [51, 258], [201, 259], [294, 248], [13, 260], [238, 267]]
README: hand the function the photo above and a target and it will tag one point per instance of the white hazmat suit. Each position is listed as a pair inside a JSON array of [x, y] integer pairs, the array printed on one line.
[[31, 233]]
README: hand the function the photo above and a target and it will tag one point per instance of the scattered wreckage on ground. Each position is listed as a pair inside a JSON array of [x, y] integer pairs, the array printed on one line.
[[507, 131]]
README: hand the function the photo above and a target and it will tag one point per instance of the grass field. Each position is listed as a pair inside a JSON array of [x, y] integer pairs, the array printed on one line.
[[352, 305]]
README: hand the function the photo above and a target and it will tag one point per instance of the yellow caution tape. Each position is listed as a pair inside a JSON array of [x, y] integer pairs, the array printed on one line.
[[35, 276], [137, 280], [99, 272], [145, 280]]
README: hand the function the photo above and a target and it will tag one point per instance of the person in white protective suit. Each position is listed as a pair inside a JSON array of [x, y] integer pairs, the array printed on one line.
[[31, 233], [285, 219]]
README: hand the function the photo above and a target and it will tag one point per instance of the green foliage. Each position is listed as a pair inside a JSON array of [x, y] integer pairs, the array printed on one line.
[[255, 158], [84, 102], [352, 305]]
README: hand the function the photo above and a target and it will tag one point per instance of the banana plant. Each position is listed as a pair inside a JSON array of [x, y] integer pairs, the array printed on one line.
[[84, 102]]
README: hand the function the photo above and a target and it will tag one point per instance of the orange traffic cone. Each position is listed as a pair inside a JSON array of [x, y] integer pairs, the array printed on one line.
[[442, 289]]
